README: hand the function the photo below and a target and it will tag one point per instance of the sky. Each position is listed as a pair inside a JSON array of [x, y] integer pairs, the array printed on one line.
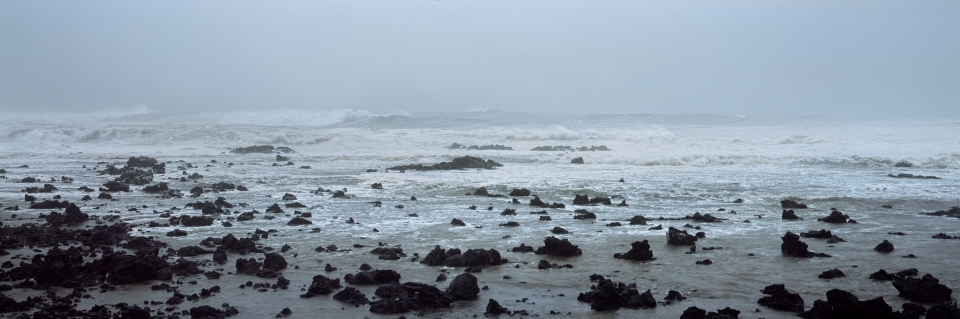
[[876, 58]]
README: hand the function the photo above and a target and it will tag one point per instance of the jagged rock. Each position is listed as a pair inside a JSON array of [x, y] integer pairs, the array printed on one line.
[[792, 246], [640, 251], [71, 215], [680, 237], [494, 308], [556, 247], [457, 222], [321, 286]]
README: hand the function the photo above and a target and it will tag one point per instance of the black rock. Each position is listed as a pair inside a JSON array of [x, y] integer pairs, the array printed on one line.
[[823, 233], [464, 162], [640, 251], [471, 258], [351, 296], [842, 304], [832, 273], [520, 192], [373, 277], [297, 221], [925, 289], [522, 249], [638, 220], [557, 247], [399, 298], [192, 251], [783, 300], [789, 215], [835, 217], [464, 287], [578, 160], [789, 204], [494, 308], [321, 286], [457, 222], [884, 247], [792, 246], [680, 237]]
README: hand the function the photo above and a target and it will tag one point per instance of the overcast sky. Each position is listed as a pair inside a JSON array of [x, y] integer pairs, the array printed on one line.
[[876, 57]]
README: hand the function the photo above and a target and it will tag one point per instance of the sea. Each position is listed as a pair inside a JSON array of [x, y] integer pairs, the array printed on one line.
[[737, 168]]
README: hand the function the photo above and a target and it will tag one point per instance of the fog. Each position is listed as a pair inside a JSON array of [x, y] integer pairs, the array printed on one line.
[[766, 58]]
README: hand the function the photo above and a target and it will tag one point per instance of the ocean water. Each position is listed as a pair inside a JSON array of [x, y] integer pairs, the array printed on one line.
[[672, 166]]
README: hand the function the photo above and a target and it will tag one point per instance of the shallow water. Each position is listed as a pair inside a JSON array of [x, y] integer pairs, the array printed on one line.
[[672, 166]]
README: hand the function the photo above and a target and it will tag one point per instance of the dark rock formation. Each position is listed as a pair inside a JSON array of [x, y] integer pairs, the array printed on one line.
[[952, 212], [494, 308], [559, 230], [464, 287], [373, 277], [842, 304], [823, 233], [884, 247], [790, 204], [609, 295], [832, 273], [925, 289], [557, 247], [789, 215], [835, 217], [680, 237], [400, 298], [297, 221], [792, 246], [71, 215], [351, 296], [321, 286], [520, 192], [638, 220], [457, 222], [464, 162], [640, 251], [781, 299], [578, 160], [584, 214], [471, 258]]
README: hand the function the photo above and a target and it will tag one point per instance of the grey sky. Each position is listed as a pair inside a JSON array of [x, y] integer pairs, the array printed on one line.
[[878, 58]]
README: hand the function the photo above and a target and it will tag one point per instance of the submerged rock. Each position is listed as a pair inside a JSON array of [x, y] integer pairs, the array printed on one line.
[[781, 299], [925, 289], [463, 162], [790, 204], [884, 247]]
